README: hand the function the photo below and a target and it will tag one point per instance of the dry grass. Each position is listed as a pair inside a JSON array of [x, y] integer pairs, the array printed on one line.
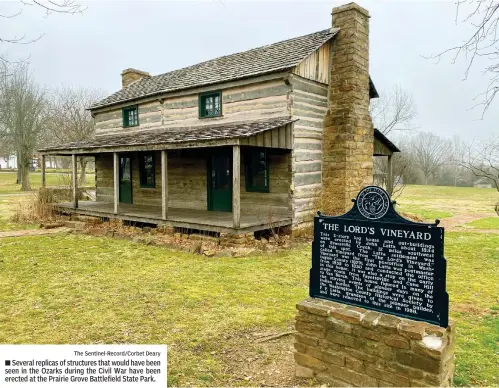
[[35, 209]]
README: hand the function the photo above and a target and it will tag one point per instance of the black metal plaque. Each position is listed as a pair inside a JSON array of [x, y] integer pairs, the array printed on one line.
[[372, 257]]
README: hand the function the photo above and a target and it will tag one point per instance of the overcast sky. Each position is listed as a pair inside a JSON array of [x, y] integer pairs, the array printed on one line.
[[92, 49]]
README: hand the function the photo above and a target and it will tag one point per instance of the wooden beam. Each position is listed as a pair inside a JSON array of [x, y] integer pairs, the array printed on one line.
[[44, 182], [116, 169], [74, 166], [236, 186], [389, 176], [164, 185]]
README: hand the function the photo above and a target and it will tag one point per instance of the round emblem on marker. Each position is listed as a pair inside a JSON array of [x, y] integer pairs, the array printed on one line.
[[373, 202]]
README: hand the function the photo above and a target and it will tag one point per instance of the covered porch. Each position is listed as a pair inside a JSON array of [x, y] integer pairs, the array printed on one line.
[[212, 221], [187, 191]]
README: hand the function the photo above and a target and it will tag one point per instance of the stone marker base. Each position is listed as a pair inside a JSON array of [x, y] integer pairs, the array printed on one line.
[[343, 345]]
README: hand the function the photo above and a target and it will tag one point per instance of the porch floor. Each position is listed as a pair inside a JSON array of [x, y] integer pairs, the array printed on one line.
[[186, 218]]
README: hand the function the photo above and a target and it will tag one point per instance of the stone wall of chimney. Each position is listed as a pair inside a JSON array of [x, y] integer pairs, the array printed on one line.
[[348, 130]]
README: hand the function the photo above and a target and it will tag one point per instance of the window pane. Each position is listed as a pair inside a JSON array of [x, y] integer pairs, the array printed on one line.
[[147, 171], [211, 105], [257, 171]]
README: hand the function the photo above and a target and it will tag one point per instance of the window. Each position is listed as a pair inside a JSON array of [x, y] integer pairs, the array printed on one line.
[[257, 171], [130, 116], [147, 170], [210, 104]]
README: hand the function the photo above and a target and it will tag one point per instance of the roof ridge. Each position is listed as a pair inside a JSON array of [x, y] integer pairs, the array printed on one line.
[[244, 51], [270, 58]]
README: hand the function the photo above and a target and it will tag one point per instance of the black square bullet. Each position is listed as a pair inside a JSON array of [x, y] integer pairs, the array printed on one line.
[[7, 362]]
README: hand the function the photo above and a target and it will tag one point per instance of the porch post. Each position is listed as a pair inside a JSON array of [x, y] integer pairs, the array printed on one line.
[[116, 170], [44, 183], [74, 165], [236, 186], [389, 177], [164, 184]]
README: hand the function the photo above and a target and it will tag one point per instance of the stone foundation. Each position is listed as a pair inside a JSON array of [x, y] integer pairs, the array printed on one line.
[[342, 345]]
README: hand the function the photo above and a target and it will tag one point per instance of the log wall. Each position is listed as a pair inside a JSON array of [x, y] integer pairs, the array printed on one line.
[[309, 105], [250, 102]]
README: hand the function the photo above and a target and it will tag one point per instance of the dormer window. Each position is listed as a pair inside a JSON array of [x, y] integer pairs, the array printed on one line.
[[210, 104], [130, 116]]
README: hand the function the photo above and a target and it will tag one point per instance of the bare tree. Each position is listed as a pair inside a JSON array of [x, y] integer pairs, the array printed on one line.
[[69, 119], [22, 116], [48, 7], [483, 17], [393, 111], [429, 153], [482, 159]]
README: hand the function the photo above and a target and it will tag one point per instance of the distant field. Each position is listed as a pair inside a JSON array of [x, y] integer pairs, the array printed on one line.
[[431, 202], [8, 181]]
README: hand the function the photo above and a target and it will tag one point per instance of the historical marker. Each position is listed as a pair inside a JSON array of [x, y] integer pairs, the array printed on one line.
[[374, 258]]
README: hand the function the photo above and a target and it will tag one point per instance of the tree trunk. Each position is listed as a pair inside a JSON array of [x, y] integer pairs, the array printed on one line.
[[25, 185], [83, 170], [19, 175]]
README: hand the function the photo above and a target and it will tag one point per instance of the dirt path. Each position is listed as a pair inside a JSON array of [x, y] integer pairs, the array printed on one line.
[[458, 223], [37, 232]]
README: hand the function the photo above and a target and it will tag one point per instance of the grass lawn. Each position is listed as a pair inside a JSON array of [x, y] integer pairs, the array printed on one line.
[[80, 289], [8, 181], [486, 223], [430, 202]]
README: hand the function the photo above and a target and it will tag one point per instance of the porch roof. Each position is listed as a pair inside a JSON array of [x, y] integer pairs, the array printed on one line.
[[274, 133]]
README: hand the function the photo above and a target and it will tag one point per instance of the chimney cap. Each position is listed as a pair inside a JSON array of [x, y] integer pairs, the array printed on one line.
[[135, 71], [348, 7]]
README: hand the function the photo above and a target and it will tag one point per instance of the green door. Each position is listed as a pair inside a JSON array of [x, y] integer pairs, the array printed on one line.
[[220, 181], [125, 179]]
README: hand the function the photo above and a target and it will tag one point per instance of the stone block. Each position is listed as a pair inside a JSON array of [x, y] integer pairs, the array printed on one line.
[[306, 339], [388, 323], [396, 379], [396, 341], [347, 315], [343, 339], [370, 319], [310, 362], [354, 364], [366, 333], [377, 349], [338, 326], [313, 308], [325, 377], [352, 377], [304, 372], [432, 346], [427, 364], [411, 331], [412, 373], [419, 383], [311, 329], [300, 347], [307, 317]]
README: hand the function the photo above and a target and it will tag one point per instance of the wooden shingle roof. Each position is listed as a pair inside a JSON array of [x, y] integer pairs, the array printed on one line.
[[274, 57], [182, 135]]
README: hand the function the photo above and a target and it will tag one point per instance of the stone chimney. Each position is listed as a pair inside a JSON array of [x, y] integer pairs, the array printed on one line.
[[131, 75], [347, 164]]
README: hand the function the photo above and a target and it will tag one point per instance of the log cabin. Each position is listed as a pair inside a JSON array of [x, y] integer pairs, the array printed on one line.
[[240, 143]]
